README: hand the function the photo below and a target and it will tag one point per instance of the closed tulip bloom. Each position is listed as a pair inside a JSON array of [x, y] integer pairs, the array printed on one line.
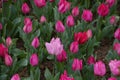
[[54, 47], [115, 67], [27, 28], [110, 3], [25, 8], [112, 78], [43, 19], [77, 64], [99, 68], [62, 56], [70, 21], [59, 26], [112, 20], [40, 3], [117, 34], [35, 43], [103, 10], [89, 33], [8, 60], [116, 47], [3, 50], [0, 26], [87, 15], [91, 60], [27, 20], [75, 11], [34, 59], [15, 77], [8, 41], [74, 47]]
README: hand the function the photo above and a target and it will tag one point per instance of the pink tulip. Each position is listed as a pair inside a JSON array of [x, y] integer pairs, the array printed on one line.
[[63, 6], [74, 47], [25, 8], [40, 3], [91, 60], [87, 15], [27, 20], [8, 41], [43, 19], [89, 33], [59, 26], [54, 47], [99, 68], [27, 28], [62, 56], [77, 64], [103, 10], [110, 3], [15, 77], [8, 60], [0, 26], [112, 20], [115, 67], [70, 21], [75, 11], [112, 78], [117, 34], [35, 43], [51, 0], [3, 50], [34, 59], [116, 47]]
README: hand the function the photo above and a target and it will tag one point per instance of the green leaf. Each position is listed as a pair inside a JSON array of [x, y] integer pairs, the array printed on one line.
[[3, 77], [57, 76], [37, 74], [48, 75], [56, 14], [50, 57]]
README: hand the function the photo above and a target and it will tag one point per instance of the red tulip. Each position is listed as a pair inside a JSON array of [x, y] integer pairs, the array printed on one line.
[[3, 50]]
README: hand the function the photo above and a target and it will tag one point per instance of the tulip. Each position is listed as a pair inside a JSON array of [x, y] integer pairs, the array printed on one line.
[[91, 60], [27, 20], [34, 59], [0, 26], [43, 19], [62, 56], [89, 33], [75, 11], [115, 67], [40, 3], [54, 47], [8, 41], [15, 77], [51, 0], [59, 26], [117, 34], [112, 20], [3, 50], [103, 10], [81, 37], [99, 68], [27, 28], [70, 21], [112, 78], [25, 8], [87, 15], [74, 47], [35, 43], [8, 60], [77, 64], [116, 47], [110, 3]]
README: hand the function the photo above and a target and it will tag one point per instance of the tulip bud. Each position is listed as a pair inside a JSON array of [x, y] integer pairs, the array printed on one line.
[[3, 50], [74, 47], [27, 20], [89, 33], [0, 26], [70, 21], [43, 19], [25, 8], [8, 60], [8, 41], [117, 34], [116, 47], [112, 20], [27, 28], [59, 26], [40, 3], [35, 43], [75, 11], [91, 60], [62, 56], [77, 64], [99, 68], [110, 3], [112, 78], [34, 59], [15, 77]]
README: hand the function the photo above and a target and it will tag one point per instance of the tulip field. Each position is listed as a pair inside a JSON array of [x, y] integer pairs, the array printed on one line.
[[60, 40]]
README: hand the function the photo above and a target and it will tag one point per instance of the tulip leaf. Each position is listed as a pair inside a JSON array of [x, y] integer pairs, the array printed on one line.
[[48, 75]]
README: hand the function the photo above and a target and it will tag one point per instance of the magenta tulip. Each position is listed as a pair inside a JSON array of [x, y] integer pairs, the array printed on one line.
[[117, 34], [25, 8], [43, 19], [8, 41], [8, 60], [40, 3], [35, 43], [75, 11], [70, 21], [62, 56], [59, 26], [74, 47], [34, 59], [15, 77]]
